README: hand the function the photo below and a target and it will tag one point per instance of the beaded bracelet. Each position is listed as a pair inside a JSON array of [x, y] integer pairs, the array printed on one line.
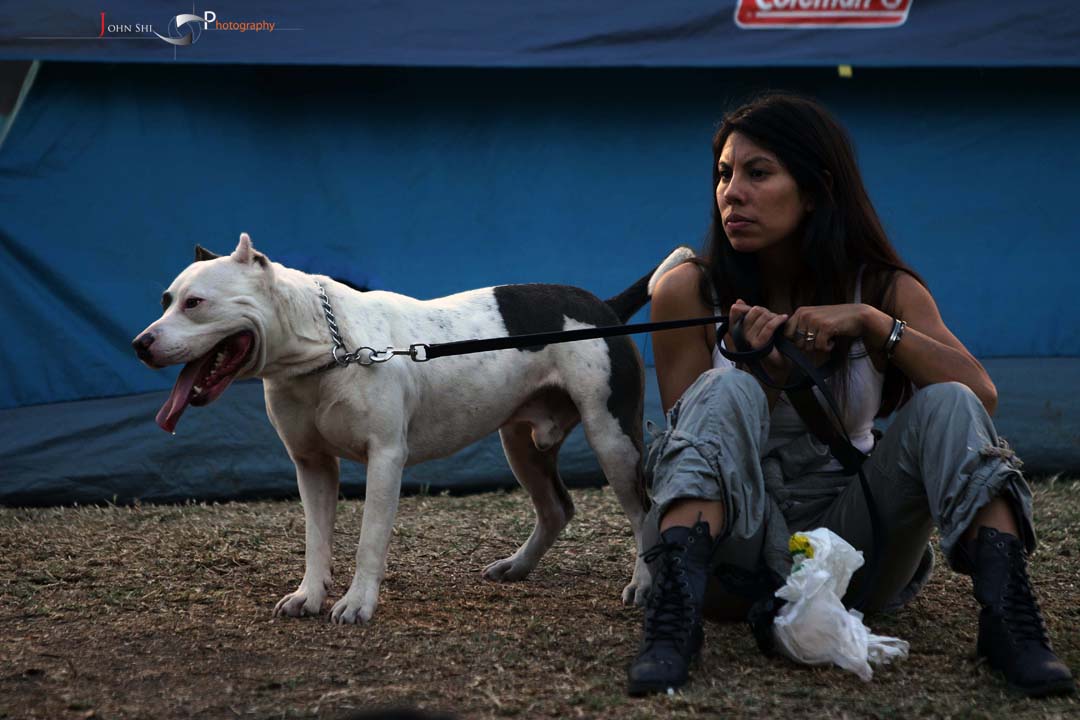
[[894, 337]]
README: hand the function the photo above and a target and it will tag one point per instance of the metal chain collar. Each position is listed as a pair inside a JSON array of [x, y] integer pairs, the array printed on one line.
[[363, 355]]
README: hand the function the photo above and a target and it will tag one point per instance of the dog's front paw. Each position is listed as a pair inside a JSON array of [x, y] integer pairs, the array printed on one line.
[[355, 607], [508, 569], [637, 591], [304, 601]]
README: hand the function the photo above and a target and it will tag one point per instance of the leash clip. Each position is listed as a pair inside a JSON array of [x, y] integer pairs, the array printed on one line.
[[364, 355], [374, 356], [368, 356]]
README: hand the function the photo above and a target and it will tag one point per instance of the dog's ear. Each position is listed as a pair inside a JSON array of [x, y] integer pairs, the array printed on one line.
[[245, 252], [202, 253]]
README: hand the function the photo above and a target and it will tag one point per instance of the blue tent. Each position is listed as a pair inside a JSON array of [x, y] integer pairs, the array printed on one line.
[[429, 148]]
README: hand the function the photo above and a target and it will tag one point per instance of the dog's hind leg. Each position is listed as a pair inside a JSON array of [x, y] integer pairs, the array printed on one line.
[[317, 476], [536, 470]]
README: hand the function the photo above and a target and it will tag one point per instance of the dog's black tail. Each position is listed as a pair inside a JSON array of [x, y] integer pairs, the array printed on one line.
[[633, 298]]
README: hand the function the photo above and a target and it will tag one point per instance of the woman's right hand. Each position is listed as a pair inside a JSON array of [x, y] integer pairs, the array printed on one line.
[[759, 325]]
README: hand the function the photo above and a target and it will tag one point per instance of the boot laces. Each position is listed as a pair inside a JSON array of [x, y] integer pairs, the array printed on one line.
[[1021, 609], [670, 611]]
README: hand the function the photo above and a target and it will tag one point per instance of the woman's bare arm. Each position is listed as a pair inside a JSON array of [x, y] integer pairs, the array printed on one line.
[[929, 352], [680, 355]]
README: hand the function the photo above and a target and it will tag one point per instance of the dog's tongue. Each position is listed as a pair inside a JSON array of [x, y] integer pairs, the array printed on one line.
[[174, 407]]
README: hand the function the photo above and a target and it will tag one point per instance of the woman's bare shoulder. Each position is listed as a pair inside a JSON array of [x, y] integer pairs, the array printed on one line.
[[900, 290], [680, 290]]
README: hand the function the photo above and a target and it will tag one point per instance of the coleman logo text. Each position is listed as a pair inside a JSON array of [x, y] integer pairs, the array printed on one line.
[[766, 14]]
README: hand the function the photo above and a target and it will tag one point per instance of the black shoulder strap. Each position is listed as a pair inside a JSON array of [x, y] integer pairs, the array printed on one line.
[[828, 430]]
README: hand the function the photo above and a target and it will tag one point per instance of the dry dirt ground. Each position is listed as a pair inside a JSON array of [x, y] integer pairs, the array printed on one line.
[[165, 612]]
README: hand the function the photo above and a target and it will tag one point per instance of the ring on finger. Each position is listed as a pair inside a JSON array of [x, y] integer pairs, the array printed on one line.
[[810, 335]]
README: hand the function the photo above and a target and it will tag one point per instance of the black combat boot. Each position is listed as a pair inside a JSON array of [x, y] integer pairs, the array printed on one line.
[[673, 631], [1012, 633]]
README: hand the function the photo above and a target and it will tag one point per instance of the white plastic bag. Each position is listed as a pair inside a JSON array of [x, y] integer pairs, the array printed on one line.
[[814, 627]]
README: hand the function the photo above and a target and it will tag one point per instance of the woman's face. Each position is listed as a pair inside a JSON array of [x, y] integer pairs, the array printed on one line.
[[760, 203]]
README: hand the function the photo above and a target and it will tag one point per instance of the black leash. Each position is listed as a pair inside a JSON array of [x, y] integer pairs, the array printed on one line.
[[537, 340], [422, 352]]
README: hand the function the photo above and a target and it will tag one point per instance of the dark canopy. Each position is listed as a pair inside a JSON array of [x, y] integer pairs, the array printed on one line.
[[555, 33]]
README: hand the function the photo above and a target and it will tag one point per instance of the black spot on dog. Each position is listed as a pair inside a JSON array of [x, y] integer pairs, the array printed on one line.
[[538, 308]]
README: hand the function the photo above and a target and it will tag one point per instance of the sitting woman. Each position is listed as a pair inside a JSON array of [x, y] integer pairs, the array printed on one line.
[[795, 245]]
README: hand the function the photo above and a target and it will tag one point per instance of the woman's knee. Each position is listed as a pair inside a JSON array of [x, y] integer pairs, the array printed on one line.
[[725, 386], [948, 397]]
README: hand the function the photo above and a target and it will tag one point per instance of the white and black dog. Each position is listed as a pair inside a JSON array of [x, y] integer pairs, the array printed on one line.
[[241, 315]]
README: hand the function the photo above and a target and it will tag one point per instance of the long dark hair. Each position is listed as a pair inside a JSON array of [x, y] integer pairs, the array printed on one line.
[[838, 236]]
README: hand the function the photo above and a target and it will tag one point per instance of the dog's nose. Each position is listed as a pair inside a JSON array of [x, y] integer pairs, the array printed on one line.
[[142, 345]]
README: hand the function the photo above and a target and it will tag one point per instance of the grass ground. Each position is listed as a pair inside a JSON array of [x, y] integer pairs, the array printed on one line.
[[165, 612]]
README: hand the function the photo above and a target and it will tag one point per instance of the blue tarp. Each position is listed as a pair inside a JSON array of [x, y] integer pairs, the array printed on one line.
[[429, 182], [551, 33]]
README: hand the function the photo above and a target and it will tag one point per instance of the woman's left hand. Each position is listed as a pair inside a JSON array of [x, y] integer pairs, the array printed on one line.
[[815, 327]]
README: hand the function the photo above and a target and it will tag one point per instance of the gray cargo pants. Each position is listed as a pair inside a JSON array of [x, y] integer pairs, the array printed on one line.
[[938, 463]]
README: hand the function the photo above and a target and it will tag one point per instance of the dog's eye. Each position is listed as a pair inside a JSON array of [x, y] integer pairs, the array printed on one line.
[[192, 302]]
